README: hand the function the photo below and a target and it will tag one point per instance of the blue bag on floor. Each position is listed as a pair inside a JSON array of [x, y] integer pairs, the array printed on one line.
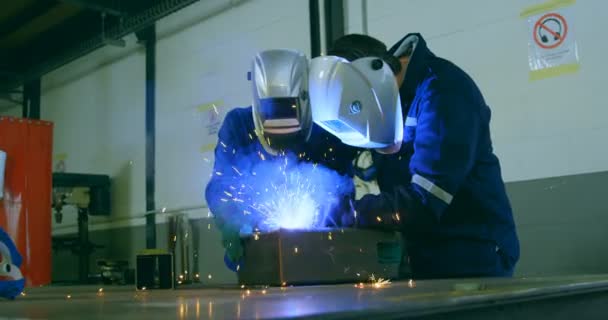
[[11, 279]]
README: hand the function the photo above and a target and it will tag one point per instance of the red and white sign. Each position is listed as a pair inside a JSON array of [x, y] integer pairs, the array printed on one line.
[[551, 41]]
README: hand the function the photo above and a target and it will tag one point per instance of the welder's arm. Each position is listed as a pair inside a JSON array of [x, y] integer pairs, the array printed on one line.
[[445, 145], [221, 206]]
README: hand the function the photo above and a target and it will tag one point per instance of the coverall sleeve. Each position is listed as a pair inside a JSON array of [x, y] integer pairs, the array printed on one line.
[[445, 147], [217, 192]]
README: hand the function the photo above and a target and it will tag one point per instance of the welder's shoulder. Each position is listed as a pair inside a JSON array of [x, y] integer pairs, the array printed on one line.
[[450, 82], [238, 119]]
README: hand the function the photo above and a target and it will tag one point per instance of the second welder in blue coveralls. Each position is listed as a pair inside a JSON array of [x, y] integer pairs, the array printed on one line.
[[279, 122], [440, 181]]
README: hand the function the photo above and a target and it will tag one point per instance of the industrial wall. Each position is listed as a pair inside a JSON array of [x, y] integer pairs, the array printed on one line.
[[547, 133], [550, 128]]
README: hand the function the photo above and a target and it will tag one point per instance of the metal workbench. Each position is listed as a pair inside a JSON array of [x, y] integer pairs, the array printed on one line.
[[575, 297]]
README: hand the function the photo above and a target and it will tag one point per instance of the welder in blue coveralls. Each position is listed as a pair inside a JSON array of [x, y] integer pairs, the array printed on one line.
[[279, 121], [439, 179]]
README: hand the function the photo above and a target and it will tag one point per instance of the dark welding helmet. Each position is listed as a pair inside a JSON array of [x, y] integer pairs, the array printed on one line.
[[281, 108]]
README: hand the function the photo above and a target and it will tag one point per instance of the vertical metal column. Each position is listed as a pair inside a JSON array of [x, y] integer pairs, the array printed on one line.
[[334, 21], [148, 35], [315, 28], [31, 99]]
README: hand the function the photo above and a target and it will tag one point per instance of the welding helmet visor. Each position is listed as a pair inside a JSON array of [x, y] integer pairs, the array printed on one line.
[[281, 109], [358, 101]]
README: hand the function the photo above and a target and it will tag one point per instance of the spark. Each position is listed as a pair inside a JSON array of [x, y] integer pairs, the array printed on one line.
[[224, 200], [209, 276], [397, 217], [242, 286], [256, 236], [379, 219], [262, 156], [263, 291], [69, 296], [23, 294], [206, 160], [215, 109], [218, 173], [228, 193], [248, 292], [411, 284], [237, 171], [284, 284], [379, 282], [163, 210], [329, 236], [331, 149], [295, 250], [209, 226], [197, 275], [246, 212], [250, 136], [222, 143]]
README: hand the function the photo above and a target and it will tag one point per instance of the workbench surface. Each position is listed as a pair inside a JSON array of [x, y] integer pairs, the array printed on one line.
[[434, 298]]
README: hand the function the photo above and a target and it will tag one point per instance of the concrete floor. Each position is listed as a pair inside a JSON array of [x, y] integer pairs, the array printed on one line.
[[410, 298]]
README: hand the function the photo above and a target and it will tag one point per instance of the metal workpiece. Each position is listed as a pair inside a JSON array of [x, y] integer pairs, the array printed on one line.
[[325, 256]]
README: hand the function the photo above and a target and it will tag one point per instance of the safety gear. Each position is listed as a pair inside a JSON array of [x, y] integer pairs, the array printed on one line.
[[281, 108], [11, 279], [357, 101]]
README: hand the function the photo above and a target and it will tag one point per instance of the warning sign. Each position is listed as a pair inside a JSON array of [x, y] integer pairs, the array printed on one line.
[[551, 45], [550, 31]]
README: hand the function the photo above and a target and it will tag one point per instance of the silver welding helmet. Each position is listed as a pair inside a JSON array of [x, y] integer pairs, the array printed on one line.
[[281, 108], [358, 101]]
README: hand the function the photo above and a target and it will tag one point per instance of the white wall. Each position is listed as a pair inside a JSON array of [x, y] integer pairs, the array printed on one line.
[[99, 128], [546, 128]]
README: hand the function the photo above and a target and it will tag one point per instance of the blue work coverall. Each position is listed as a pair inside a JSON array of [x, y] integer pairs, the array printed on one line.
[[444, 187], [239, 148]]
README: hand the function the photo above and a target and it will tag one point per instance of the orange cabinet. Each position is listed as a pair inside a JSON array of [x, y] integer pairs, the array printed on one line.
[[25, 210]]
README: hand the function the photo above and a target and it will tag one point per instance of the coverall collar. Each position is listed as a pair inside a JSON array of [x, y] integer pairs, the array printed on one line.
[[417, 69]]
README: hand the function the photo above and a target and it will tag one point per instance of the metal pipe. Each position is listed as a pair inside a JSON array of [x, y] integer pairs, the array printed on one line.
[[364, 16], [150, 39]]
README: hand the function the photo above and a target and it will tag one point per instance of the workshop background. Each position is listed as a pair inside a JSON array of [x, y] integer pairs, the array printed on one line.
[[549, 134]]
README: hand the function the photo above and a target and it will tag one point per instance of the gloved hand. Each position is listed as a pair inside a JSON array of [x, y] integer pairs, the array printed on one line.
[[376, 212], [231, 240], [340, 212]]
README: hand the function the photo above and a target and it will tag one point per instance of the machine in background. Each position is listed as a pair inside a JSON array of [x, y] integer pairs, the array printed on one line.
[[90, 194]]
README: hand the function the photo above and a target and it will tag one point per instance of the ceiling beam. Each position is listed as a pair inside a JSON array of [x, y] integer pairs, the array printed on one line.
[[42, 61], [20, 20], [111, 7]]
